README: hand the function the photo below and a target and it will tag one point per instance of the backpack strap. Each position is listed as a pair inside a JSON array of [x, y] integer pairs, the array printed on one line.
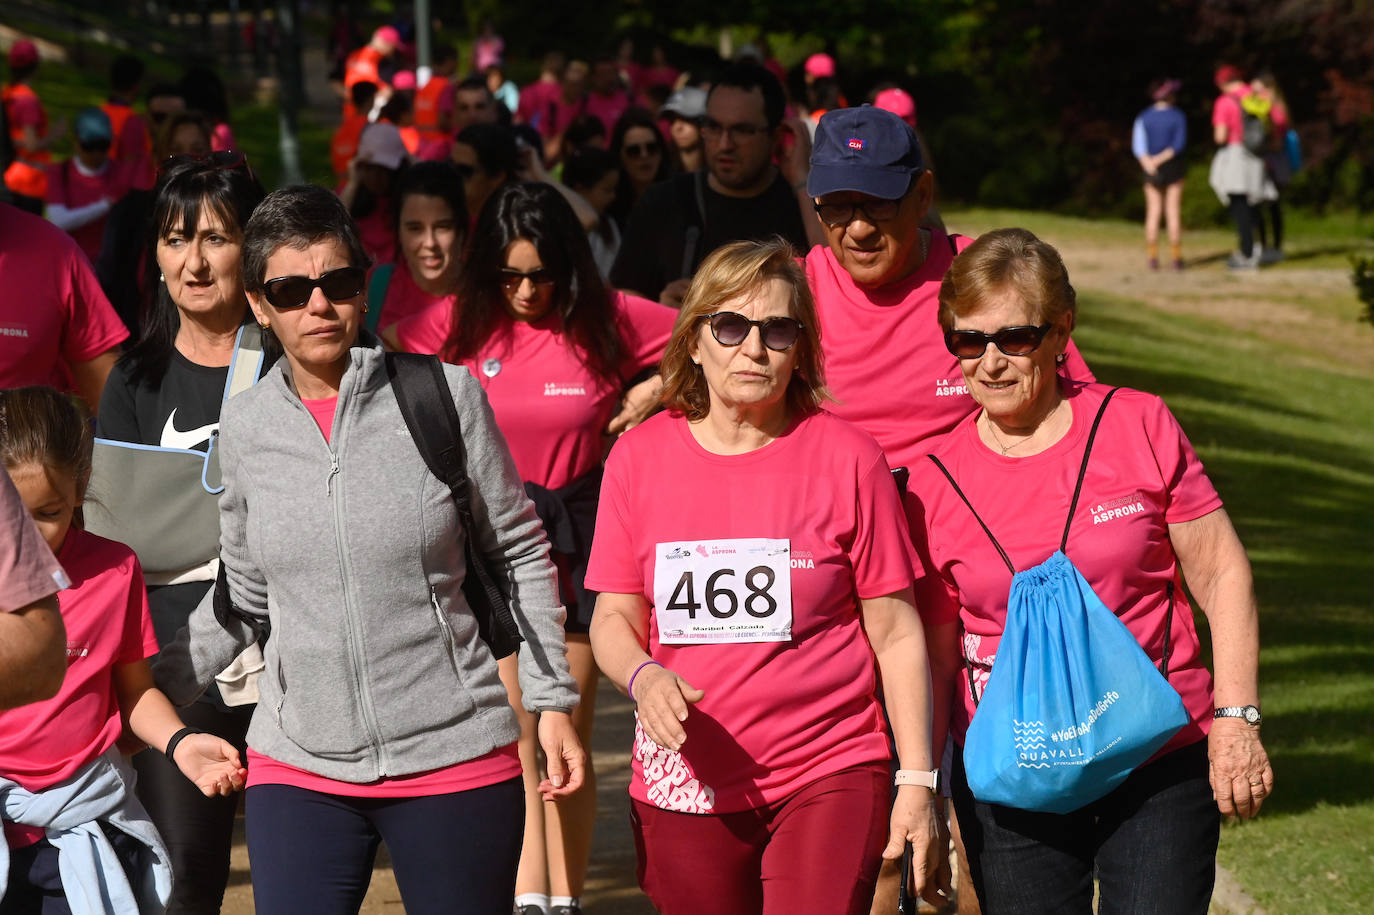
[[246, 368], [1000, 552], [692, 201], [1083, 469], [429, 412], [376, 294]]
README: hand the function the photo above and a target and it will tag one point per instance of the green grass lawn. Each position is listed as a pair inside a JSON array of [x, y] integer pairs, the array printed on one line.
[[1287, 433]]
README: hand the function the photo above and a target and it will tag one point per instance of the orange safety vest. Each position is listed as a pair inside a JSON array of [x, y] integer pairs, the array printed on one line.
[[410, 136], [427, 103], [28, 173], [344, 146]]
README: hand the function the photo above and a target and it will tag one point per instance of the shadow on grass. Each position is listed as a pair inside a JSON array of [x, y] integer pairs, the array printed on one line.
[[1302, 497]]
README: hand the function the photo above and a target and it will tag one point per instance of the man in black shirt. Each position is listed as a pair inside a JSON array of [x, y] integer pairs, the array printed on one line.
[[742, 194]]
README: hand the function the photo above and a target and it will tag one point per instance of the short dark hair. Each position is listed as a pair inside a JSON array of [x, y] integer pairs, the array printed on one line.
[[363, 93], [475, 82], [583, 128], [585, 167], [297, 217], [494, 145], [434, 179], [747, 76], [125, 72]]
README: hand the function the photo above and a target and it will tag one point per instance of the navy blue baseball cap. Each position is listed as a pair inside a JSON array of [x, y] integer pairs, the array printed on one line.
[[865, 149]]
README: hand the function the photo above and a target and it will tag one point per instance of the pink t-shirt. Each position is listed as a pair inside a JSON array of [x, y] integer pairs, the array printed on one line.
[[491, 768], [1142, 476], [53, 310], [106, 615], [777, 715], [322, 411], [885, 357], [222, 138], [608, 108], [1226, 111], [534, 103], [28, 570], [404, 298], [70, 188], [378, 233], [550, 406]]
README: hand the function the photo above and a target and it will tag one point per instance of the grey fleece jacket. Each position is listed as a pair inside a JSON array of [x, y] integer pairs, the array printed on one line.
[[353, 550]]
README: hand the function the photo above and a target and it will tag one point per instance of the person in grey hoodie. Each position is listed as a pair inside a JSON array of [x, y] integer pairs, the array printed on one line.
[[381, 715]]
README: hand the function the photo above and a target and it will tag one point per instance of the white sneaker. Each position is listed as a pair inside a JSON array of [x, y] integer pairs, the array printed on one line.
[[1240, 262]]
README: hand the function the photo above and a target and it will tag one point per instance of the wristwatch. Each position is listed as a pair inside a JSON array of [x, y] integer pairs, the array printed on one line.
[[925, 778], [1250, 713]]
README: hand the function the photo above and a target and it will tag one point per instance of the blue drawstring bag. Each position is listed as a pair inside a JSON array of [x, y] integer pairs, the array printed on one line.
[[1073, 704]]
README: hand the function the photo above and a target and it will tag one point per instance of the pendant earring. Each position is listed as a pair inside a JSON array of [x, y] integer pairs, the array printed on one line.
[[161, 278], [1061, 358], [364, 308]]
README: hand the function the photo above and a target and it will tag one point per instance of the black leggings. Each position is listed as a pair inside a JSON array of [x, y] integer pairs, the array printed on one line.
[[1275, 214], [198, 830], [452, 854], [1244, 215]]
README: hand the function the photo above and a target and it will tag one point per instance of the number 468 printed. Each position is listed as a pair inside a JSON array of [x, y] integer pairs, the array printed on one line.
[[719, 591]]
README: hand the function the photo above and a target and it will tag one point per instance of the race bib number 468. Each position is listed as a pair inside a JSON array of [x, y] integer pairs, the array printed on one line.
[[719, 591]]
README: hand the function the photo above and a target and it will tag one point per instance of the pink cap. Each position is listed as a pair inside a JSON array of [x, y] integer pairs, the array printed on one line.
[[23, 53], [899, 103], [389, 35], [404, 79], [1227, 74], [819, 65]]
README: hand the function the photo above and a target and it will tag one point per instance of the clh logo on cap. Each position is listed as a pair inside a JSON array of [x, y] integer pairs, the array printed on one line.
[[855, 143]]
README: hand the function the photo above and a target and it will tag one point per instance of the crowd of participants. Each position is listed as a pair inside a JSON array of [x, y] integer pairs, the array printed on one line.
[[744, 429]]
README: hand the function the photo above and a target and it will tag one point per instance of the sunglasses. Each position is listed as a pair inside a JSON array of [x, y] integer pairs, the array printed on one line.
[[465, 171], [511, 279], [295, 291], [842, 214], [1012, 341], [640, 150], [226, 160], [731, 329]]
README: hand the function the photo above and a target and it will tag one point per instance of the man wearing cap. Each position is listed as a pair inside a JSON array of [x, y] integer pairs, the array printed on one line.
[[684, 111], [26, 176], [742, 194], [876, 281], [365, 63], [82, 189]]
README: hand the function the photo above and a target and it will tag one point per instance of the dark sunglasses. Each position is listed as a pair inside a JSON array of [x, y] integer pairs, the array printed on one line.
[[222, 161], [640, 150], [1012, 341], [295, 291], [464, 171], [842, 214], [731, 329], [511, 279]]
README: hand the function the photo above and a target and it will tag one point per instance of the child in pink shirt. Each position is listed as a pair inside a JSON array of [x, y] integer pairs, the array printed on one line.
[[48, 749]]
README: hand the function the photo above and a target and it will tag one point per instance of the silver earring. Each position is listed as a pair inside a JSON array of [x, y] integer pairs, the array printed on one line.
[[1061, 358], [161, 278]]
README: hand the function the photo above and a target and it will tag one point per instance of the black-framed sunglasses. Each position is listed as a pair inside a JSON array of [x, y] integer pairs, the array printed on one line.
[[640, 150], [875, 211], [731, 329], [1021, 340], [511, 279], [285, 292]]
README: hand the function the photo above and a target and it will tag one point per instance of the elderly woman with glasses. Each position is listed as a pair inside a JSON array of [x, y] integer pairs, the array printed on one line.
[[756, 592], [1141, 517], [382, 716]]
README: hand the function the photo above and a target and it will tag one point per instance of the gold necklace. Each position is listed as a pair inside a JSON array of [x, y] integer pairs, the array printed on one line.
[[992, 429]]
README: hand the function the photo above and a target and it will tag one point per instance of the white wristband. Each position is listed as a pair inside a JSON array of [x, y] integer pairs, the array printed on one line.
[[925, 778]]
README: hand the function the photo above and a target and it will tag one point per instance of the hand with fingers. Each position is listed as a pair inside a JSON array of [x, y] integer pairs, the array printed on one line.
[[914, 820], [565, 758], [212, 763], [661, 700], [1239, 768]]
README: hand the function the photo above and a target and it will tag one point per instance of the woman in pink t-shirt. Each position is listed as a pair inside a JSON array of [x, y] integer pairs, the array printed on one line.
[[553, 349], [1146, 515], [753, 564], [431, 226]]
